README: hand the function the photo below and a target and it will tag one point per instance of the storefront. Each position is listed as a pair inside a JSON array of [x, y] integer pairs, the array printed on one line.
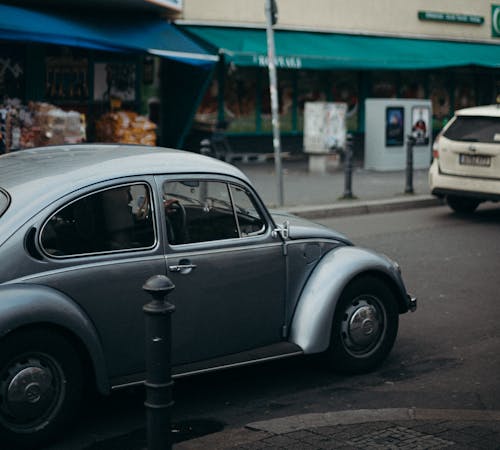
[[80, 76], [336, 67]]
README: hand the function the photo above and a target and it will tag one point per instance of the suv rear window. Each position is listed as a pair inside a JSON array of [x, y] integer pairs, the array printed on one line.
[[474, 129], [4, 202]]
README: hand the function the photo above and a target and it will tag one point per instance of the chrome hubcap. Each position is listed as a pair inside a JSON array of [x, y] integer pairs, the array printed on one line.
[[363, 326], [31, 390]]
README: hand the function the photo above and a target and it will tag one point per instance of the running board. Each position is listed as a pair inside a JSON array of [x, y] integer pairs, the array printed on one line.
[[255, 356], [258, 355]]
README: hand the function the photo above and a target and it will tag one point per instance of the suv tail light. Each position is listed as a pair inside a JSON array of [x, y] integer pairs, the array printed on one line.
[[435, 147]]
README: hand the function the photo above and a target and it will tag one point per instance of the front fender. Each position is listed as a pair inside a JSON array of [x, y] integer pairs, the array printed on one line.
[[312, 321], [30, 304]]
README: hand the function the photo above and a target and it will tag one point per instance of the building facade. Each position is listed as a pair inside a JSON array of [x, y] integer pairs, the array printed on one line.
[[347, 51]]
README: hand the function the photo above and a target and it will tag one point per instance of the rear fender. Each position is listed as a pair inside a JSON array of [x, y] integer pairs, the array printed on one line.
[[312, 321], [24, 305]]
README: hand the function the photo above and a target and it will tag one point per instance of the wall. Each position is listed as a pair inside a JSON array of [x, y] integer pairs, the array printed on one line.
[[388, 17]]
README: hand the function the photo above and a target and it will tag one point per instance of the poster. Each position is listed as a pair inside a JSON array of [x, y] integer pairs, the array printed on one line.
[[324, 126], [394, 126], [420, 120], [114, 80]]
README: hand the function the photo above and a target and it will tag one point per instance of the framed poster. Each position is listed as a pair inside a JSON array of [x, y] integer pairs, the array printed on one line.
[[420, 121], [394, 126], [114, 80]]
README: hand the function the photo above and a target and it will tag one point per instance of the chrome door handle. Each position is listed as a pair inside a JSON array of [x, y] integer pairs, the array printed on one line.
[[182, 268]]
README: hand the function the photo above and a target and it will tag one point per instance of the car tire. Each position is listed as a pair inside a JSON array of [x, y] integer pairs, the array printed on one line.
[[40, 386], [364, 327], [462, 205]]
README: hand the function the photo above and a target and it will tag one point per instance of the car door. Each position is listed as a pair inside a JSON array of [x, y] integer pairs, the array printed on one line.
[[99, 248], [228, 269]]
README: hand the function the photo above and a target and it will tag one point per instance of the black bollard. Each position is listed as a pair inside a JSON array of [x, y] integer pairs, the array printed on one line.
[[410, 143], [348, 168], [159, 402]]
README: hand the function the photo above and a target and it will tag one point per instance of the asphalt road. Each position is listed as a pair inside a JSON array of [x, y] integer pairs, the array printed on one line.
[[446, 355]]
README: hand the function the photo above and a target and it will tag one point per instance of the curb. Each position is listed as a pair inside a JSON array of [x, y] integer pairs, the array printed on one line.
[[257, 431], [357, 207]]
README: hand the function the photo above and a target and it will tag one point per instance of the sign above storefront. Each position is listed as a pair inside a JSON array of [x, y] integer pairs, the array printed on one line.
[[451, 17], [495, 20]]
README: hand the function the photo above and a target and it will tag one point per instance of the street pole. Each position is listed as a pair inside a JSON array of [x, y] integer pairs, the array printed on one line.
[[273, 88], [410, 143], [348, 168]]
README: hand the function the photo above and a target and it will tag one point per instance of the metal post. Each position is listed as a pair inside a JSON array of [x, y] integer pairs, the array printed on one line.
[[273, 89], [410, 143], [158, 320], [348, 168]]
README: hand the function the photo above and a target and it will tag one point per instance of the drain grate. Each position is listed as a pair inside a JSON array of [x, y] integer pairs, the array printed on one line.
[[398, 438]]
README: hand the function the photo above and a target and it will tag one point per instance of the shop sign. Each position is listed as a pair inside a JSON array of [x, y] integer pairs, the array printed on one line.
[[495, 20], [283, 62], [451, 17]]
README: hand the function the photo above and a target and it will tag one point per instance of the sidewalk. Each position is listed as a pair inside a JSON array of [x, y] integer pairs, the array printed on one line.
[[363, 429], [320, 195]]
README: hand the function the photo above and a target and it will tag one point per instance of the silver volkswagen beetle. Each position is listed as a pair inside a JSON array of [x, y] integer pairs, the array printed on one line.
[[83, 227]]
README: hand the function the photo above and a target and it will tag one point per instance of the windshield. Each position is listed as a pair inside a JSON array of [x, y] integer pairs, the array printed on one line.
[[4, 202], [475, 129]]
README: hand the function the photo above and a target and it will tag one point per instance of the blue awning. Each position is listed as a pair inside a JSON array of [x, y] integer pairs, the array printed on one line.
[[102, 31]]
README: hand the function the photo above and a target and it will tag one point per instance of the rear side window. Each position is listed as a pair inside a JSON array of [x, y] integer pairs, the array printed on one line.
[[115, 219], [474, 129], [4, 202]]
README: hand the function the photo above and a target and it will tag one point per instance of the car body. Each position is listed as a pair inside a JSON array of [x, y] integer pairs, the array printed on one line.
[[83, 227], [466, 165]]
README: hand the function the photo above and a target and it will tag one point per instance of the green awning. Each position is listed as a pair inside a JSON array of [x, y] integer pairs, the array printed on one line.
[[305, 50]]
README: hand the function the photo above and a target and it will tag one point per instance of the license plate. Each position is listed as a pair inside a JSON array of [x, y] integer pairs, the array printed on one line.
[[475, 160]]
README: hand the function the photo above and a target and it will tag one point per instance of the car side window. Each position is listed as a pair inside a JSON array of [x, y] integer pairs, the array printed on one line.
[[114, 219], [198, 211], [250, 222]]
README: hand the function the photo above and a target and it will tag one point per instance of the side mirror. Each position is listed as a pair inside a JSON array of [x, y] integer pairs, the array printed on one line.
[[282, 230]]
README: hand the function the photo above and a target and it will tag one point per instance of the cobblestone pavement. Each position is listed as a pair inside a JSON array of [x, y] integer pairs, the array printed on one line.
[[400, 435], [383, 429]]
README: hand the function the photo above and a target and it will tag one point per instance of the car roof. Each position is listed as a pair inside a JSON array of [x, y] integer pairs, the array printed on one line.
[[81, 165], [488, 110], [34, 178]]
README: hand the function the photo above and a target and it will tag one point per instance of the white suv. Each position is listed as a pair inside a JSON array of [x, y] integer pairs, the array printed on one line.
[[466, 166]]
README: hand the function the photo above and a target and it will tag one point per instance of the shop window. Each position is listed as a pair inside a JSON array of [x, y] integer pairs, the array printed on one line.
[[240, 96], [384, 85], [344, 88], [12, 71], [115, 80], [114, 219], [207, 114], [311, 88], [66, 78], [285, 99], [412, 85], [465, 94], [440, 97]]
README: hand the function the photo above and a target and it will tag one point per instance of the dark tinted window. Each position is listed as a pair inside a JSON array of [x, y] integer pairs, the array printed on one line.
[[198, 211], [474, 129], [4, 202], [110, 220], [201, 211]]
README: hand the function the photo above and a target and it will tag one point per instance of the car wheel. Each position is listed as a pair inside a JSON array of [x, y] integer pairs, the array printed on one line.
[[462, 205], [40, 385], [364, 327]]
